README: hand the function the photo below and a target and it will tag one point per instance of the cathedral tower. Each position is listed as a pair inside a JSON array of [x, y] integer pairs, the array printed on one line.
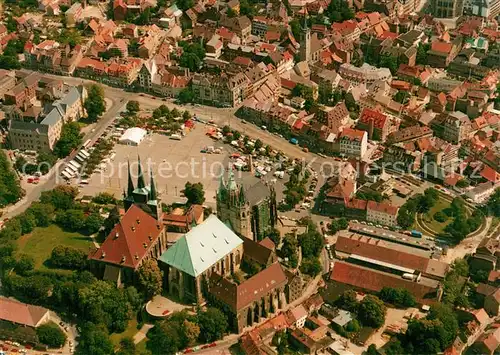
[[146, 197], [233, 207], [305, 41]]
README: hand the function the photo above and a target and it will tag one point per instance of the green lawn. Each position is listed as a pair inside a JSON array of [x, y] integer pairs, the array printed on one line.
[[436, 226], [129, 332], [41, 241]]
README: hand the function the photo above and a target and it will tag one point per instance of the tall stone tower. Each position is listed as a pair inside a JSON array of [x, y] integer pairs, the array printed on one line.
[[305, 41], [233, 207], [146, 197]]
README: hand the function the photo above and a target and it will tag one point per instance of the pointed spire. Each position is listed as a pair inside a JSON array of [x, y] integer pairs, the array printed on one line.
[[242, 196], [130, 185], [231, 183], [152, 192], [140, 176], [304, 24]]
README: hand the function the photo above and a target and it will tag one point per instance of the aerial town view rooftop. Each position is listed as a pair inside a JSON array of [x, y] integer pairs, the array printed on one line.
[[249, 177]]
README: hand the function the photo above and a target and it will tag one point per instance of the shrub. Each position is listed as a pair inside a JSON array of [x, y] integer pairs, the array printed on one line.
[[51, 335]]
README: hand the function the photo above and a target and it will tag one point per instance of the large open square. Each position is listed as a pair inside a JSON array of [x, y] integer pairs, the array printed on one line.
[[173, 163]]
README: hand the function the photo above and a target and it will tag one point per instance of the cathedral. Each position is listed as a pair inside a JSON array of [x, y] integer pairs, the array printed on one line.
[[233, 207], [142, 195]]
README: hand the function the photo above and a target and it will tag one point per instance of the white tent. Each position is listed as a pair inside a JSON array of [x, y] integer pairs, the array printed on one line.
[[133, 136]]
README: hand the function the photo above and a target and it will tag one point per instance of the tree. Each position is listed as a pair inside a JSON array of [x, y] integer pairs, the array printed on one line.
[[213, 324], [191, 332], [104, 198], [71, 220], [66, 257], [289, 249], [101, 302], [347, 300], [389, 61], [493, 203], [134, 298], [462, 183], [93, 223], [127, 346], [150, 278], [184, 5], [185, 95], [422, 54], [258, 144], [61, 197], [372, 311], [311, 243], [133, 106], [311, 266], [163, 339], [51, 335], [24, 264], [94, 339], [45, 161], [94, 104], [337, 225], [10, 189], [192, 56], [339, 10], [186, 115], [194, 193], [399, 297], [440, 217], [70, 139], [372, 350]]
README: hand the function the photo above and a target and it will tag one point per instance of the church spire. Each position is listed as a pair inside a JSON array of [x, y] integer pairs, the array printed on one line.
[[130, 185], [242, 196], [140, 176], [152, 192]]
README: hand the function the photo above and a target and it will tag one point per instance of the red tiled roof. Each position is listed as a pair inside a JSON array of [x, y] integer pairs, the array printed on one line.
[[490, 174], [268, 243], [372, 280], [287, 84], [251, 290], [441, 47], [242, 61], [21, 313], [357, 204], [382, 207], [130, 238], [379, 119], [375, 249], [353, 134]]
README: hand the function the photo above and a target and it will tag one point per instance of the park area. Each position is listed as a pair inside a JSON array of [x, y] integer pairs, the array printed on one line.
[[429, 220], [39, 243]]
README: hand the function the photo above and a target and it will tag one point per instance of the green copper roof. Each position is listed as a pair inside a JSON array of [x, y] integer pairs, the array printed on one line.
[[201, 247], [140, 176]]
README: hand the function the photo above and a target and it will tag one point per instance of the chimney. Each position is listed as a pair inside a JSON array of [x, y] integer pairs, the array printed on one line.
[[103, 255], [144, 245], [150, 238], [123, 259], [133, 228], [138, 221], [117, 235]]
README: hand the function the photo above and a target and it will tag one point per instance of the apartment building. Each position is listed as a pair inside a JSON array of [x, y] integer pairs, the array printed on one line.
[[223, 90], [375, 123], [41, 134], [353, 142], [447, 8], [382, 213], [366, 74], [456, 127]]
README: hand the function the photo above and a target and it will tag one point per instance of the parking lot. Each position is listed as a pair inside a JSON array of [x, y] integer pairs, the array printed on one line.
[[173, 163]]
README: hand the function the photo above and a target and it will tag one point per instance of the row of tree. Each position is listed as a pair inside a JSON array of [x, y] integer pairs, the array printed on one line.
[[10, 188]]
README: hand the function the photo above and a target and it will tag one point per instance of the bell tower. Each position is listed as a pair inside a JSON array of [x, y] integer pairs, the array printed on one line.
[[233, 207], [305, 41]]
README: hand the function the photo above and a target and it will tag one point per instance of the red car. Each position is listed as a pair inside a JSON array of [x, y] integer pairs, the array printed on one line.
[[187, 351]]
